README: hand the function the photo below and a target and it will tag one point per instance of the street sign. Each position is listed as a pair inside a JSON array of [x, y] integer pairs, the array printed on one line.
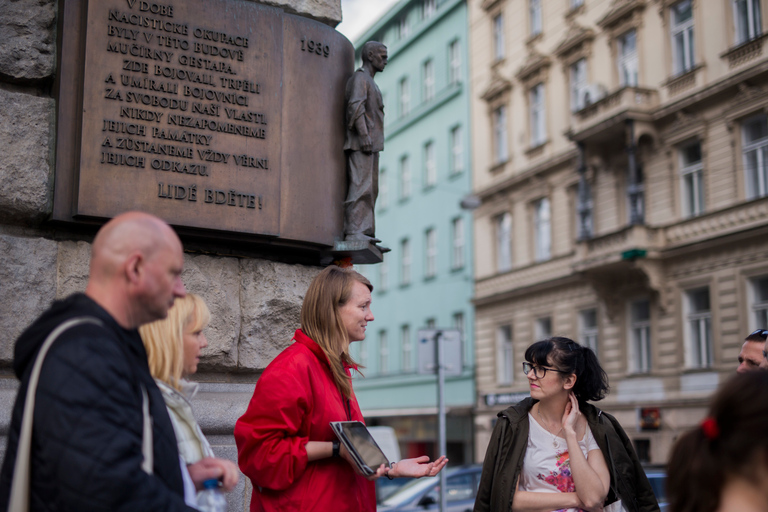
[[450, 339]]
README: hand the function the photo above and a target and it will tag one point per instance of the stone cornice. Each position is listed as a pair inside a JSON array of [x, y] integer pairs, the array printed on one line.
[[576, 36], [618, 11], [534, 63], [498, 86]]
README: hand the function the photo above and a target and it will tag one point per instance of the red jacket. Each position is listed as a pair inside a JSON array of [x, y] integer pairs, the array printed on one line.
[[294, 401]]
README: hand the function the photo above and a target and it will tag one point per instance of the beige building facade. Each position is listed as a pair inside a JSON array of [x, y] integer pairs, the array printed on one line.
[[620, 153]]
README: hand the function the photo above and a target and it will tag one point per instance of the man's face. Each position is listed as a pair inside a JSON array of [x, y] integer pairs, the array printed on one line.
[[764, 360], [379, 59], [751, 356], [162, 280]]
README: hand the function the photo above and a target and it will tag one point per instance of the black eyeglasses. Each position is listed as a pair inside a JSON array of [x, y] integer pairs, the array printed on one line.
[[539, 371], [760, 332]]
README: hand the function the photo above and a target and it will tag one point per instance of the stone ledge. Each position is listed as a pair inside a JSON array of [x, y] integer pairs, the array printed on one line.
[[324, 11]]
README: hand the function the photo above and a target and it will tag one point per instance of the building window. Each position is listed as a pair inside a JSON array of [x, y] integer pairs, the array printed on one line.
[[500, 134], [428, 8], [428, 80], [759, 300], [504, 359], [384, 274], [578, 84], [542, 230], [403, 29], [755, 149], [404, 93], [457, 243], [681, 21], [627, 45], [636, 197], [498, 36], [585, 210], [535, 10], [458, 324], [588, 329], [543, 328], [504, 242], [454, 62], [698, 325], [383, 353], [457, 150], [405, 261], [640, 336], [383, 189], [538, 113], [746, 14], [405, 177], [430, 243], [691, 175], [430, 165], [407, 345]]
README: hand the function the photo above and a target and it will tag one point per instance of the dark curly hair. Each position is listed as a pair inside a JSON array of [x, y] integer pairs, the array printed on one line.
[[568, 356]]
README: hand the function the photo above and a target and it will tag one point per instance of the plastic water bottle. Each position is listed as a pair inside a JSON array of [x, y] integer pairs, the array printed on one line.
[[210, 499]]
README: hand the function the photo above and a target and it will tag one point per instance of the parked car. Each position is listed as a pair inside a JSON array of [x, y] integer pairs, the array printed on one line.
[[386, 487], [657, 476], [423, 494]]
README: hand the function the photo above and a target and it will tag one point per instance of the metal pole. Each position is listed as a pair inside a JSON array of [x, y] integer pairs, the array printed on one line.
[[441, 412]]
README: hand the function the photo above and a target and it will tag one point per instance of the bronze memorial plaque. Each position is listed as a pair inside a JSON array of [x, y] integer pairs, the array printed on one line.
[[221, 115]]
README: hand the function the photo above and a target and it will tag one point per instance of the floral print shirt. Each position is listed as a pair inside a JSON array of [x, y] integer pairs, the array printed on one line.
[[547, 464]]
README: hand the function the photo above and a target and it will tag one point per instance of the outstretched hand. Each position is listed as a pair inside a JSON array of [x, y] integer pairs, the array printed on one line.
[[418, 467]]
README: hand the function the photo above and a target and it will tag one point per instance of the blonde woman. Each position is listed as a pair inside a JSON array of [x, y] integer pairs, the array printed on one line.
[[284, 441], [173, 349]]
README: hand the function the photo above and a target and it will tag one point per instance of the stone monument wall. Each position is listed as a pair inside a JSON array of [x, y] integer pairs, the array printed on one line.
[[255, 303]]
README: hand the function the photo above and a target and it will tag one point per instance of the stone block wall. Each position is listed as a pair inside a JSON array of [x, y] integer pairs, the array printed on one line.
[[254, 303]]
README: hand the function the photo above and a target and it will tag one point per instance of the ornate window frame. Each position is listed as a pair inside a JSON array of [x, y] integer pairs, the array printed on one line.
[[624, 16]]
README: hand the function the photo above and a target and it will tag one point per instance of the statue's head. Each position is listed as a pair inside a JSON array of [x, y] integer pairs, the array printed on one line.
[[375, 53]]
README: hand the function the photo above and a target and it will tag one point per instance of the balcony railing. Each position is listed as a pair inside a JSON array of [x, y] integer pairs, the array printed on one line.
[[628, 243], [601, 116]]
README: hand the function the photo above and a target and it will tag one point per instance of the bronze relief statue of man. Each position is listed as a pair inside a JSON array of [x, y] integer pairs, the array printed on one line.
[[364, 139]]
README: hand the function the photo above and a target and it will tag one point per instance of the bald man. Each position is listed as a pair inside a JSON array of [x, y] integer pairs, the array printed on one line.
[[88, 421], [751, 354]]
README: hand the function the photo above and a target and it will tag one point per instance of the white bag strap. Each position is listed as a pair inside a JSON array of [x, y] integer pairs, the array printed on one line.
[[19, 500], [146, 438]]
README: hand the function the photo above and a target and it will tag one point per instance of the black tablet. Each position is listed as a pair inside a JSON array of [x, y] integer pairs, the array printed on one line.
[[360, 444]]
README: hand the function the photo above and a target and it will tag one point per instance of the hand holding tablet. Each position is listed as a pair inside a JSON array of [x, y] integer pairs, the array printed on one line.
[[360, 445]]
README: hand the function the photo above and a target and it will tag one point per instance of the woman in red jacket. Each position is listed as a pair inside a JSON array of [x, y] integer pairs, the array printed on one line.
[[284, 441]]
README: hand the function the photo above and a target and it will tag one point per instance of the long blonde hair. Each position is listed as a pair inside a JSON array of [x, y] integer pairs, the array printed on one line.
[[164, 339], [321, 321]]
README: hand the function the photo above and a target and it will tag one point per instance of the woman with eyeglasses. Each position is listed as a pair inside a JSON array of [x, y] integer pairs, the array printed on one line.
[[554, 451]]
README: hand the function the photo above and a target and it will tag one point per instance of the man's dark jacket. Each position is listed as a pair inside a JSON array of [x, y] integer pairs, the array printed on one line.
[[506, 450], [87, 434]]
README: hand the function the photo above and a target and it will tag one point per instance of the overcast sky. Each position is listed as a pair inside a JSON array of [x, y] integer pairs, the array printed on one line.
[[359, 15]]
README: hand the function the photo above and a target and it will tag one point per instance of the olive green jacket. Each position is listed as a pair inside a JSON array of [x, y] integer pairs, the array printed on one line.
[[506, 450]]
